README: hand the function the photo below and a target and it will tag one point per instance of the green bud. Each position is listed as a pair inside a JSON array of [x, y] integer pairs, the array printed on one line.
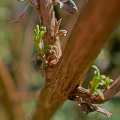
[[96, 72], [43, 28], [100, 94], [37, 29]]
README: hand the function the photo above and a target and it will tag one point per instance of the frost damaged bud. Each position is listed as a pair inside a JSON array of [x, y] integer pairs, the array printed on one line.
[[68, 5]]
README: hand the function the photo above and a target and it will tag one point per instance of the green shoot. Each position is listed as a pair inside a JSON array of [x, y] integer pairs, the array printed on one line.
[[97, 81], [38, 41], [38, 35]]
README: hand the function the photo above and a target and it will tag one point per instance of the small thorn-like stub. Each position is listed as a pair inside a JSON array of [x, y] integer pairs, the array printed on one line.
[[57, 32], [57, 24], [69, 6]]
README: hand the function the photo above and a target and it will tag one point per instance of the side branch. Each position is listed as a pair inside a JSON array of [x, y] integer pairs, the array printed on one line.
[[113, 89], [95, 99]]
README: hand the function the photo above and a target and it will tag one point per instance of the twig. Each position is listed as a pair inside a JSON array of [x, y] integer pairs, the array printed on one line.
[[112, 90], [94, 99]]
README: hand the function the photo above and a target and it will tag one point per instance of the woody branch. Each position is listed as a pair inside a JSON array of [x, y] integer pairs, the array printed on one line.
[[88, 36]]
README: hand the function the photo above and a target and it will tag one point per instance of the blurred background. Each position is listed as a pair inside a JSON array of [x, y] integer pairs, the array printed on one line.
[[20, 80]]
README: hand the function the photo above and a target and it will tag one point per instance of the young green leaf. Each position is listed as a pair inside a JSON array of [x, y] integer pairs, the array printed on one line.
[[100, 94], [96, 72], [98, 80], [107, 82], [38, 35]]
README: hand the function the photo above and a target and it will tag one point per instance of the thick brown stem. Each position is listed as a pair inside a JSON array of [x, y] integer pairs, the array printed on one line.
[[47, 18]]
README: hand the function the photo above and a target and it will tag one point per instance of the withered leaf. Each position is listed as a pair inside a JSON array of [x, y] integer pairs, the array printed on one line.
[[87, 108], [69, 6], [21, 16], [103, 111]]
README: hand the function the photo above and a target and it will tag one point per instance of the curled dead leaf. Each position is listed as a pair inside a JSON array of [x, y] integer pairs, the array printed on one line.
[[101, 110], [87, 108], [68, 5]]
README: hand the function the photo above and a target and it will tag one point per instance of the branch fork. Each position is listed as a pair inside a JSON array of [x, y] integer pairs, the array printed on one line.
[[85, 100]]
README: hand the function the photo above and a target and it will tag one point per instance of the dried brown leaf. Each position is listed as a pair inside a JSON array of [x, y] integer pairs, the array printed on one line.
[[103, 111], [87, 108], [69, 6], [21, 16]]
